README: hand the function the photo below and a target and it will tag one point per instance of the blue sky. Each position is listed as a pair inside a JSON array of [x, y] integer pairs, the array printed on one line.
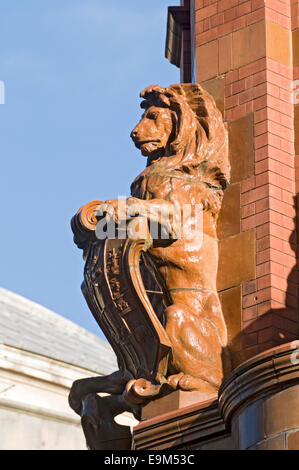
[[73, 70]]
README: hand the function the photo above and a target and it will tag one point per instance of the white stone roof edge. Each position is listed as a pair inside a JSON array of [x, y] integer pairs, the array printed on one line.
[[41, 367], [14, 299]]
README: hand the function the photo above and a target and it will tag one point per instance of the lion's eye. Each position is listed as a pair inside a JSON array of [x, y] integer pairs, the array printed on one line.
[[152, 115]]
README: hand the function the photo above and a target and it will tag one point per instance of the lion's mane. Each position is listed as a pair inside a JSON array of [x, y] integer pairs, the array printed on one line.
[[198, 145]]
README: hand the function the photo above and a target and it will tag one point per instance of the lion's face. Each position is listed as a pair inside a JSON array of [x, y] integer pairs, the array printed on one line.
[[153, 132]]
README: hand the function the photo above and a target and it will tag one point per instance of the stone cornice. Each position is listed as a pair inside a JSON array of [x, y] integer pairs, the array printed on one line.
[[274, 369]]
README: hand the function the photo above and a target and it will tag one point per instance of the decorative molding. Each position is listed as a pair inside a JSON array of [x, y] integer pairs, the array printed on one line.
[[180, 428], [268, 372]]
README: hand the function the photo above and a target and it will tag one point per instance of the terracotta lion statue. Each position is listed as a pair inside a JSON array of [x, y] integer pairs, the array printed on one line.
[[184, 139]]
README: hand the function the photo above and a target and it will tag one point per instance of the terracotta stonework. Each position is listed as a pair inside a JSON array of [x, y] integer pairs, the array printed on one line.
[[194, 169]]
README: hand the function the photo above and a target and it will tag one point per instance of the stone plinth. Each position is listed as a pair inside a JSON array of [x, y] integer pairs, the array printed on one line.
[[175, 401]]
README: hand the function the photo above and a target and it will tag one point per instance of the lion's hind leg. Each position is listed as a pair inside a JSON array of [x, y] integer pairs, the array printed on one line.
[[197, 350]]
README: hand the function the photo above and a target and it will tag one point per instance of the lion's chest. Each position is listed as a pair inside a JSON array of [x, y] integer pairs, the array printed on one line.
[[151, 186]]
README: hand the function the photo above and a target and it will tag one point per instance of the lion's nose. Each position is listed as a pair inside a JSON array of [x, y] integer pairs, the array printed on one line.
[[133, 134]]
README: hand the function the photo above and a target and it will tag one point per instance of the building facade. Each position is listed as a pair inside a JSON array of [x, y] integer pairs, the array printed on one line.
[[41, 354]]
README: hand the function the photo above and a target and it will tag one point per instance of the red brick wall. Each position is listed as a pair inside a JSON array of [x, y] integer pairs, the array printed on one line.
[[247, 56]]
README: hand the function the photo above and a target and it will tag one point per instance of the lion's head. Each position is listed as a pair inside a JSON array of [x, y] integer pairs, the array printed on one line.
[[182, 122]]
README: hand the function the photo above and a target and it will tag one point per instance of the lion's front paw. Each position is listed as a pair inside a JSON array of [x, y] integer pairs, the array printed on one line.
[[173, 380]]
